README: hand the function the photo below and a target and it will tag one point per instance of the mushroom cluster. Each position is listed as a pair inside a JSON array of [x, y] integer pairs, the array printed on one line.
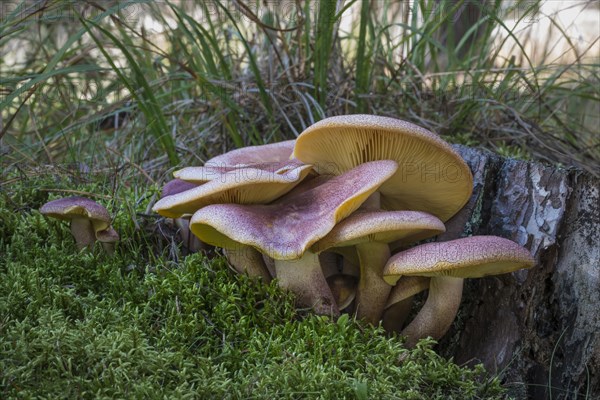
[[324, 213]]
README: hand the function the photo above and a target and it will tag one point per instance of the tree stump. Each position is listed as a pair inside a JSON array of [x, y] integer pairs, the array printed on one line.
[[540, 327]]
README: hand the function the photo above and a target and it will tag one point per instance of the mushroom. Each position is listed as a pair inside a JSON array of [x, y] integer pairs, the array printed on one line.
[[250, 155], [209, 173], [448, 263], [269, 157], [243, 186], [370, 232], [286, 228], [431, 177], [89, 221], [176, 186], [400, 302], [273, 158]]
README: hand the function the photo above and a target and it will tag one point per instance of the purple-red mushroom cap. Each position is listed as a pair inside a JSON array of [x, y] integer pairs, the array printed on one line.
[[175, 186], [89, 221], [381, 226], [286, 228], [470, 257], [78, 207], [242, 186], [209, 172], [247, 156]]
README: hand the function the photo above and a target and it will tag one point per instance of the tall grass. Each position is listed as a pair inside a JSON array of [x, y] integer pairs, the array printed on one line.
[[196, 78]]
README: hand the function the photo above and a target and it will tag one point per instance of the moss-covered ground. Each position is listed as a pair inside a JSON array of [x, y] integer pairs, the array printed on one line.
[[149, 323]]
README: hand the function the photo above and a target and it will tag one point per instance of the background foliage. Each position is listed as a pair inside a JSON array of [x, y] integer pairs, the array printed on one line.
[[196, 78]]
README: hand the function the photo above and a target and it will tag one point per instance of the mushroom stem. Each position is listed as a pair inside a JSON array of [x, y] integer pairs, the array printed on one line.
[[246, 259], [270, 264], [372, 292], [83, 232], [400, 301], [343, 288], [394, 316], [305, 279], [189, 240], [437, 314]]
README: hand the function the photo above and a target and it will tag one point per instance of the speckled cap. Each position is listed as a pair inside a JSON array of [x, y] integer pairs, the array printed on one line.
[[77, 207], [381, 226], [175, 186], [242, 186], [286, 228], [471, 257], [199, 175], [247, 156], [431, 176]]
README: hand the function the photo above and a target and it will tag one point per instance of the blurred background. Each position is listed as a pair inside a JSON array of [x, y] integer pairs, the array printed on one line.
[[137, 88]]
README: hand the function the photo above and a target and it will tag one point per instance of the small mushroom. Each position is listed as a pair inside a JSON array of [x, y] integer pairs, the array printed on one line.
[[273, 157], [448, 264], [286, 228], [175, 186], [89, 221], [370, 232]]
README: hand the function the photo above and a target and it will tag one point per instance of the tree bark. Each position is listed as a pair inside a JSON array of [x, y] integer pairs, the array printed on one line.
[[540, 327]]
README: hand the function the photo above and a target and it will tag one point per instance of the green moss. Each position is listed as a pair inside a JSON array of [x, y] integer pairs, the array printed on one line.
[[139, 325]]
